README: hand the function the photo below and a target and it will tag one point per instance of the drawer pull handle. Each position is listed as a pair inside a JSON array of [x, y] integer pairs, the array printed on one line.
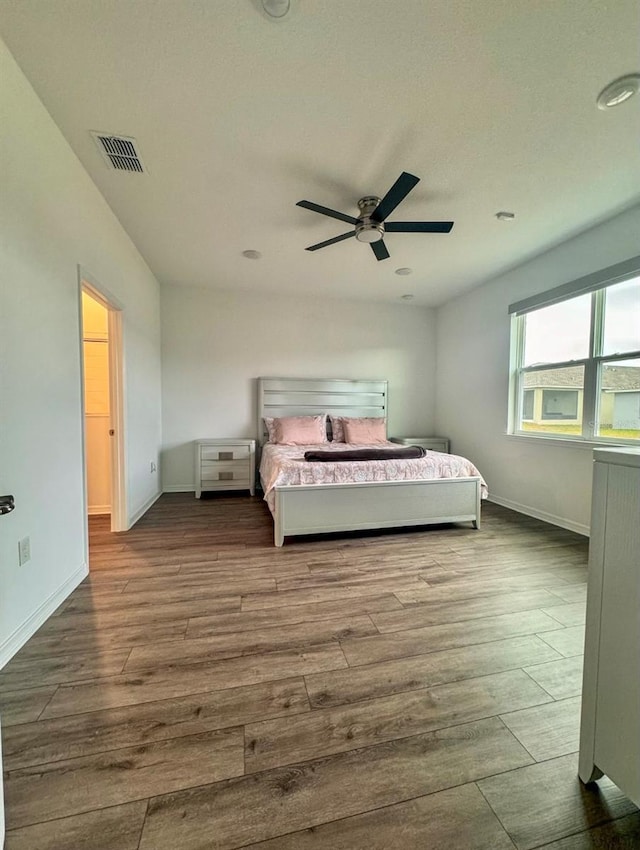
[[225, 455], [225, 476]]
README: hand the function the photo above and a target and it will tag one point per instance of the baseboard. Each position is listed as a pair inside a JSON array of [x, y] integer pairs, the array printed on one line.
[[189, 488], [98, 510], [12, 644], [142, 511], [578, 527]]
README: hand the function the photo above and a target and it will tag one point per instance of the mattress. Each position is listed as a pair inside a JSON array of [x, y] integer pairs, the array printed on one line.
[[285, 465]]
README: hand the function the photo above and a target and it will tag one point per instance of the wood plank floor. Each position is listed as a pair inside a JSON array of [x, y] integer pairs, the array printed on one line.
[[203, 690]]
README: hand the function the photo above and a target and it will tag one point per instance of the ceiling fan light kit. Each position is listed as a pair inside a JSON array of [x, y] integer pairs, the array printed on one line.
[[368, 230], [371, 225]]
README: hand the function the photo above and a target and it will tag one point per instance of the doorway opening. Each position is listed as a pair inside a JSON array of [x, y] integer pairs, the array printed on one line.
[[97, 417], [103, 421]]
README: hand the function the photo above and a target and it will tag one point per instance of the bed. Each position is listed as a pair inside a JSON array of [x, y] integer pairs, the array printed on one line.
[[314, 498]]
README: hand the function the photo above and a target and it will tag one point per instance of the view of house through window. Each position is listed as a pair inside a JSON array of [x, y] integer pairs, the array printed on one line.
[[577, 366]]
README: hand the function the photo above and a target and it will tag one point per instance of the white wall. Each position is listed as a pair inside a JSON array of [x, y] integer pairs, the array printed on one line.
[[215, 345], [53, 218], [549, 481]]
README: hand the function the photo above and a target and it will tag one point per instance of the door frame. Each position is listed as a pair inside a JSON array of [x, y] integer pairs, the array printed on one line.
[[87, 283]]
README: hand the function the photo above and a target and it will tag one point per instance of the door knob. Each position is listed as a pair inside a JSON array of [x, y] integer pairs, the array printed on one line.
[[7, 504]]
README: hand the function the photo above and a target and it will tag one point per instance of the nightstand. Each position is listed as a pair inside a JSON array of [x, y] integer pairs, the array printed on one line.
[[436, 444], [225, 464]]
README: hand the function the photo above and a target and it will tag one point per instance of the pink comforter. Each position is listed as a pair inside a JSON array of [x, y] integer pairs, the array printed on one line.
[[283, 465]]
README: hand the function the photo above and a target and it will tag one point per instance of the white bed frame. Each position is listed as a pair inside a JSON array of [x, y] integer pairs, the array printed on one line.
[[322, 508]]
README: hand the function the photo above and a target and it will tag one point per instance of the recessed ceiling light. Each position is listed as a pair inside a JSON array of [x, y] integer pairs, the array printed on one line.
[[407, 297], [618, 91], [276, 9], [252, 255], [503, 215], [404, 271]]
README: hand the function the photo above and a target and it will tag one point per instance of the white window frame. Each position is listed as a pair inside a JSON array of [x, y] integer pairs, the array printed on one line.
[[524, 392], [596, 284]]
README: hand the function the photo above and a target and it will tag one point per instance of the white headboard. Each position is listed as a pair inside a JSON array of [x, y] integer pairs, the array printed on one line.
[[309, 396]]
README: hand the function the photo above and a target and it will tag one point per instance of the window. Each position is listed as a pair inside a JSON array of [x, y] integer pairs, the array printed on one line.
[[527, 404], [560, 404], [575, 354]]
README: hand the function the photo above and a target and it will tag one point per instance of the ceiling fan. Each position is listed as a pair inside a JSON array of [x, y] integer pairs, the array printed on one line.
[[371, 226]]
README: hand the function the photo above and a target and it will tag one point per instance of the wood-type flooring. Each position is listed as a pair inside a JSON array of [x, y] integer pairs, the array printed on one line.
[[204, 690]]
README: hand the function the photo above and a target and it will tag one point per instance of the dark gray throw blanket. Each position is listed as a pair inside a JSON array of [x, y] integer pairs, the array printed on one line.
[[401, 453]]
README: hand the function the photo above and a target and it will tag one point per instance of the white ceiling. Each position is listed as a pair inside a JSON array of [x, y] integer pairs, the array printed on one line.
[[490, 102]]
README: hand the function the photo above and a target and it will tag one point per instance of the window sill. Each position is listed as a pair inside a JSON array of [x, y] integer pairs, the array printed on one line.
[[563, 442]]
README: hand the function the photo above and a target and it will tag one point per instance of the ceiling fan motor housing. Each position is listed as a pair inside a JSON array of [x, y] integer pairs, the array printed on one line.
[[366, 229]]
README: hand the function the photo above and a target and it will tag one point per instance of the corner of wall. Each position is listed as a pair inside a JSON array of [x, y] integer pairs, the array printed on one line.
[[30, 626]]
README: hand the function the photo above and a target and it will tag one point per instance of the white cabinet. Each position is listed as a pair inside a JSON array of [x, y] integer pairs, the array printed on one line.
[[610, 727], [435, 444], [225, 463]]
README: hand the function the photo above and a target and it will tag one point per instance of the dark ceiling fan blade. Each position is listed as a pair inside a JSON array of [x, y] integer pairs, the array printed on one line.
[[418, 226], [309, 205], [380, 250], [331, 241], [396, 194]]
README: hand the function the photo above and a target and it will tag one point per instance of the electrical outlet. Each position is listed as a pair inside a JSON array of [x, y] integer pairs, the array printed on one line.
[[153, 467], [24, 550]]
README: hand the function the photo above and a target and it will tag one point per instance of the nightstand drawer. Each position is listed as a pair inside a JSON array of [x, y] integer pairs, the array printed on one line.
[[220, 470], [434, 444], [224, 453]]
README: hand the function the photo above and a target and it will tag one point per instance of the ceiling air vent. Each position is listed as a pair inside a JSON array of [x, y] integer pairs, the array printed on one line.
[[120, 152]]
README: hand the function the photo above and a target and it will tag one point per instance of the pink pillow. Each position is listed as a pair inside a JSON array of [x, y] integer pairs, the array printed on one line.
[[270, 425], [337, 429], [365, 430], [300, 430]]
